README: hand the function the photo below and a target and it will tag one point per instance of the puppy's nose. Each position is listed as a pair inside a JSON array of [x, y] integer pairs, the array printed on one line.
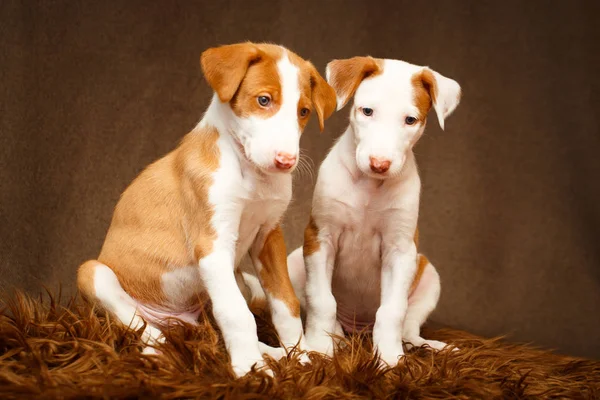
[[285, 160], [379, 165]]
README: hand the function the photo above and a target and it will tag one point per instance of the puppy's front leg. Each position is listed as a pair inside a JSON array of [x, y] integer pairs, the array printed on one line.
[[270, 261], [230, 310], [321, 307], [398, 269]]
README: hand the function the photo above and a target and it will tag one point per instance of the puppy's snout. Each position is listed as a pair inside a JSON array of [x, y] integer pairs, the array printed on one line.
[[284, 160], [379, 165]]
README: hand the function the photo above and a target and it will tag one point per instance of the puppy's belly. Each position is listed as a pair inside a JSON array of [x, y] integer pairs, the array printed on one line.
[[356, 283], [182, 286], [184, 295]]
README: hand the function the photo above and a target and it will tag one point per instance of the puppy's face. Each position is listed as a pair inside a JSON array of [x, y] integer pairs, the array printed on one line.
[[272, 93], [391, 101]]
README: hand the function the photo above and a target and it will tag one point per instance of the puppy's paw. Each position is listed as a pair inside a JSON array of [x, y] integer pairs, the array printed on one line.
[[430, 344], [323, 344], [242, 363], [437, 345], [304, 359], [241, 368], [277, 353], [390, 355], [150, 351]]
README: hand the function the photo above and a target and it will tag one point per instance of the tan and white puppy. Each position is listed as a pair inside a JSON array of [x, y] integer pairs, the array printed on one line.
[[359, 266], [182, 227]]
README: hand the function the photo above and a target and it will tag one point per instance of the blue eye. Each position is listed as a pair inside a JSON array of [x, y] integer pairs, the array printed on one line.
[[264, 101], [367, 111], [410, 120]]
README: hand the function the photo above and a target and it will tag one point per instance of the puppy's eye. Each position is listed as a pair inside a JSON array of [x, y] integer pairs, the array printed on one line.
[[410, 120], [304, 112], [367, 111], [264, 101]]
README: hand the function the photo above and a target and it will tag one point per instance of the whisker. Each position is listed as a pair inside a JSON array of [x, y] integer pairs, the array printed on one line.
[[305, 166]]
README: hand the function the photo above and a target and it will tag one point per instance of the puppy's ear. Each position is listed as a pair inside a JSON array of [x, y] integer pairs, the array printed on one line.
[[322, 96], [224, 67], [345, 76], [445, 93]]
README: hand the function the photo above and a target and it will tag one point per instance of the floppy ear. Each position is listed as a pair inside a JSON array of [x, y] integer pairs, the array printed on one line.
[[224, 67], [444, 92], [345, 76], [322, 96]]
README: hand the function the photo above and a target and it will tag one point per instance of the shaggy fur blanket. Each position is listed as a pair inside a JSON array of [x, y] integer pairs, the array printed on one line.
[[48, 350]]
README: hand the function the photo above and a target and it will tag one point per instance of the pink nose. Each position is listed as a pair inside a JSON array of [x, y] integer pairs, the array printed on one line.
[[379, 165], [285, 160]]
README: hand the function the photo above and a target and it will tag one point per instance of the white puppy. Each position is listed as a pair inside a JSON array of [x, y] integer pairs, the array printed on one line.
[[359, 266]]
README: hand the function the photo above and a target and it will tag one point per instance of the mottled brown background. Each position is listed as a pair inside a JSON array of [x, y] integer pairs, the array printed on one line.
[[91, 92]]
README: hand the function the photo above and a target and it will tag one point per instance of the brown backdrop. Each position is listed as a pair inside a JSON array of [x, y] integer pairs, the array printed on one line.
[[92, 92]]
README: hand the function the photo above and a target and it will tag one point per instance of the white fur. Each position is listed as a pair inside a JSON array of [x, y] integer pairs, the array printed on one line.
[[112, 296], [367, 257]]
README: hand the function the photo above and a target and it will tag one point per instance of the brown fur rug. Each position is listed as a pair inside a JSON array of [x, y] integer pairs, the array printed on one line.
[[52, 351]]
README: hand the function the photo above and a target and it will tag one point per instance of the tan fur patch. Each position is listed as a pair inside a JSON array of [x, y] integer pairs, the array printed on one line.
[[322, 95], [224, 67], [261, 78], [259, 307], [85, 279], [346, 75], [425, 88], [274, 273], [162, 220], [311, 241]]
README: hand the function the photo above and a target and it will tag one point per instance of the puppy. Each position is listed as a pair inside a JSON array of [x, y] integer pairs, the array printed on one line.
[[359, 267], [182, 227]]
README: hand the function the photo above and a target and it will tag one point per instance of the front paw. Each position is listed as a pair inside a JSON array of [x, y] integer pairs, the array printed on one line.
[[320, 343], [242, 363], [429, 344], [390, 355], [277, 353]]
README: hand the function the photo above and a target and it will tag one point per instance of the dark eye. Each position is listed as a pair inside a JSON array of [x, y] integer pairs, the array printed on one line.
[[304, 112], [264, 101], [367, 111], [410, 120]]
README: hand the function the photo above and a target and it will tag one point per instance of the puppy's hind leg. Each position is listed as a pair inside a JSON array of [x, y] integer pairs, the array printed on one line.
[[421, 303], [98, 283], [297, 272]]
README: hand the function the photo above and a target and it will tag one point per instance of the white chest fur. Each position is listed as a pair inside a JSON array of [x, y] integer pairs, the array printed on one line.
[[265, 199]]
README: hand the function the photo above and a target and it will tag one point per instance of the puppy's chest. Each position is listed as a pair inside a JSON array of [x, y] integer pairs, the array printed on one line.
[[363, 218], [263, 203], [361, 209]]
